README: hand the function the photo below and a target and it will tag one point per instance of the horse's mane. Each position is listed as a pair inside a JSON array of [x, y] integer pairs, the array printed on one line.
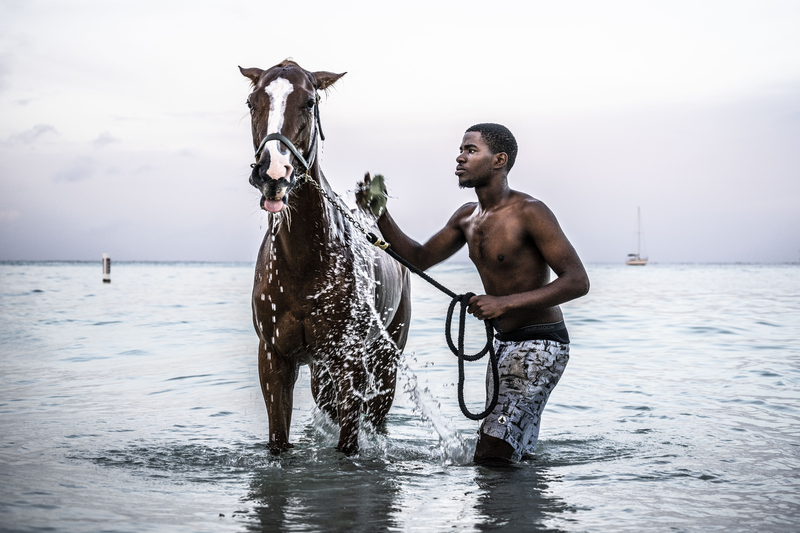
[[287, 63], [290, 63]]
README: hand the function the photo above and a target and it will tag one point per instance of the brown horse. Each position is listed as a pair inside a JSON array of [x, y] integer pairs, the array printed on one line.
[[323, 295]]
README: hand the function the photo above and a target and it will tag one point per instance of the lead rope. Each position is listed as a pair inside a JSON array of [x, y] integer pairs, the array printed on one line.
[[458, 350]]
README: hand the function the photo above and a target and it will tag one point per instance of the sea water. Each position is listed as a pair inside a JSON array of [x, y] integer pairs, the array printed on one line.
[[135, 406]]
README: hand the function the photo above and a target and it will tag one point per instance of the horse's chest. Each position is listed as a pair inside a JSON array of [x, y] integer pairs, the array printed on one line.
[[303, 315]]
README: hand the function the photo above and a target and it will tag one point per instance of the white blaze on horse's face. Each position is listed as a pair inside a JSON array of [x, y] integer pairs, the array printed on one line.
[[280, 165]]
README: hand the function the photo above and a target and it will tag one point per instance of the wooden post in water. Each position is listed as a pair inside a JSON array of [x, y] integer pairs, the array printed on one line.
[[106, 269]]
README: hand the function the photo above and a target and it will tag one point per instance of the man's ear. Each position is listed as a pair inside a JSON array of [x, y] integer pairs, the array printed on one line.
[[500, 160]]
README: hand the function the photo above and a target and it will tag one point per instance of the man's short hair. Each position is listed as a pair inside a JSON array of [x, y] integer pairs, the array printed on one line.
[[499, 139]]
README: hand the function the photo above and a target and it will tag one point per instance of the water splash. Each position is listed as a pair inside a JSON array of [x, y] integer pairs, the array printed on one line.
[[454, 448]]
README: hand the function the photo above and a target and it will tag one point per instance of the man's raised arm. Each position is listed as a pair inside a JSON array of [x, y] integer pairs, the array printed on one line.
[[442, 245]]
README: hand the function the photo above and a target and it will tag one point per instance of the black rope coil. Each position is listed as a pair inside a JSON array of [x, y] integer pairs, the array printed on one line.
[[458, 350]]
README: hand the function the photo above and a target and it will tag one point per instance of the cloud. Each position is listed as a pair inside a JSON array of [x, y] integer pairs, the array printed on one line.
[[142, 169], [9, 215], [5, 72], [82, 168], [33, 134], [104, 139]]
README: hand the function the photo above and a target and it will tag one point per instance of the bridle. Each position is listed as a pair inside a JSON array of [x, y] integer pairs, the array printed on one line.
[[282, 138]]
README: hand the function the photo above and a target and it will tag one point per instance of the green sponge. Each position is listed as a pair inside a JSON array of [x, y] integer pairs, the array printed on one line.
[[373, 195]]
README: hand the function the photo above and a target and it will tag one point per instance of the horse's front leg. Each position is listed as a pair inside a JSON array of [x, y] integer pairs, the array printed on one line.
[[350, 376], [277, 374], [323, 389]]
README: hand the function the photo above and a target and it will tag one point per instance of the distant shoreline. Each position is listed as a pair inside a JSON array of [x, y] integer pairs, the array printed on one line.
[[252, 263]]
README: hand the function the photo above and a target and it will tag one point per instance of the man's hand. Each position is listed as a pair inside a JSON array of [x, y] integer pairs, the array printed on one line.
[[485, 307], [371, 194]]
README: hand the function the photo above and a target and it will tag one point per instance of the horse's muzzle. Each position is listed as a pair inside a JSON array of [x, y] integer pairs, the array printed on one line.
[[274, 192], [263, 182]]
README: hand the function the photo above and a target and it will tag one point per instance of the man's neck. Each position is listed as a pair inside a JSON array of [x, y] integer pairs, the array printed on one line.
[[494, 194]]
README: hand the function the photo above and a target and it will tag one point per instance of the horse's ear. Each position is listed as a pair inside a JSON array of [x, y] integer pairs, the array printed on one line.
[[253, 73], [325, 79]]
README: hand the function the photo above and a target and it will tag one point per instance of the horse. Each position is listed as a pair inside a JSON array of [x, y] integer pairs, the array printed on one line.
[[322, 294]]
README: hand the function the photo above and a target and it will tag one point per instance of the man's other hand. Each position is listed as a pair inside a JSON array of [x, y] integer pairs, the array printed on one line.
[[485, 307]]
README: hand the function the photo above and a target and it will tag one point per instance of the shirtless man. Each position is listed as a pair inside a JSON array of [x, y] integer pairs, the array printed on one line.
[[514, 240]]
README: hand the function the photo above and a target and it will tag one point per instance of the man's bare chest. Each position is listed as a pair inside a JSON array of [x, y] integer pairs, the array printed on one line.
[[495, 241]]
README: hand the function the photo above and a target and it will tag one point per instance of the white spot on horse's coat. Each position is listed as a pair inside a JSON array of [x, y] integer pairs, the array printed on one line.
[[267, 384], [278, 92], [269, 356], [262, 299]]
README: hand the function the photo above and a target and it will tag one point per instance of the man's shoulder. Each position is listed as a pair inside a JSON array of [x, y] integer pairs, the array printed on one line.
[[462, 214], [527, 204], [532, 213], [465, 210]]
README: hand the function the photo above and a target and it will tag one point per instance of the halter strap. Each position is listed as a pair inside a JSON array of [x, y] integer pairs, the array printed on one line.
[[291, 146]]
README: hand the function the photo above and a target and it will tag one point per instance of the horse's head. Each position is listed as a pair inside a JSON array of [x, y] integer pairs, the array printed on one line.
[[285, 122]]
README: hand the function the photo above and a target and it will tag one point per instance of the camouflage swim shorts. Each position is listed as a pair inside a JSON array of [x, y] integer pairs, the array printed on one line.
[[529, 371]]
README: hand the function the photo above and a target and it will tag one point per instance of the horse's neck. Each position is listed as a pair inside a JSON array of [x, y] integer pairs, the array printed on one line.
[[303, 239]]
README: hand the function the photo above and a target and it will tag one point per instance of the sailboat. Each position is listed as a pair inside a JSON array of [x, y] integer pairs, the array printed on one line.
[[637, 259]]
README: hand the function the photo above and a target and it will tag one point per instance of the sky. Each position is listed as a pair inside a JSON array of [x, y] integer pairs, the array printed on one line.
[[124, 130]]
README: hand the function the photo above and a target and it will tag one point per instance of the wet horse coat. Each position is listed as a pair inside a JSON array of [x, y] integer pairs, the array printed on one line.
[[322, 295]]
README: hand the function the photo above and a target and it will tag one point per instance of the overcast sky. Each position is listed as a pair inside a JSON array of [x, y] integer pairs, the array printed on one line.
[[123, 125]]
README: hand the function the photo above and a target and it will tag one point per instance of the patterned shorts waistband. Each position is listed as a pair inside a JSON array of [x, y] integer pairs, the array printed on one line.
[[556, 331]]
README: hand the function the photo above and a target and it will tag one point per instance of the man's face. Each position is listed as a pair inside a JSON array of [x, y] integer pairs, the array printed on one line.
[[474, 162]]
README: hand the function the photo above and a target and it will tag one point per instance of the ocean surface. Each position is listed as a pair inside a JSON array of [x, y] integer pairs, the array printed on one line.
[[135, 406]]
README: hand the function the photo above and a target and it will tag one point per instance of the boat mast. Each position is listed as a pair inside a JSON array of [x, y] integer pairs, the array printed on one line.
[[638, 232]]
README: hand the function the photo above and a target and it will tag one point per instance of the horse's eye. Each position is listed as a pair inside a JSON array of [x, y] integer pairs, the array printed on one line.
[[249, 105], [310, 104]]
